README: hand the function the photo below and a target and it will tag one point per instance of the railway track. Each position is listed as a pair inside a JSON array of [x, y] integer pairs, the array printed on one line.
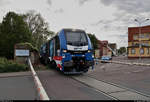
[[111, 90]]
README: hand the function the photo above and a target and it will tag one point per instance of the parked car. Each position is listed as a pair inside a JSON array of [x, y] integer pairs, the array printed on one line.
[[105, 58]]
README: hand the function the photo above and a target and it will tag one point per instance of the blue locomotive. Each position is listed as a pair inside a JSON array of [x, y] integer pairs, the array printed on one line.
[[70, 51]]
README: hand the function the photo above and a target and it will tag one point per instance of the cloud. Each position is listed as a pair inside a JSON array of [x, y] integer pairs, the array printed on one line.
[[49, 2], [4, 2], [130, 6], [59, 10], [127, 11], [82, 2], [120, 39], [102, 21], [110, 25]]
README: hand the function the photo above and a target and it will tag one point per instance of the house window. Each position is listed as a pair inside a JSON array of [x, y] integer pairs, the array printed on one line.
[[135, 37], [132, 51], [142, 36], [141, 51]]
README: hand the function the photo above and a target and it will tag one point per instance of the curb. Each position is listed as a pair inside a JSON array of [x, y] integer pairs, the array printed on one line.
[[15, 74], [118, 62]]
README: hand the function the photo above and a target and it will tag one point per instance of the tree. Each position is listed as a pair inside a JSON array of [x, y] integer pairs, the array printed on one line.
[[122, 50], [94, 40], [38, 28], [0, 39], [13, 30]]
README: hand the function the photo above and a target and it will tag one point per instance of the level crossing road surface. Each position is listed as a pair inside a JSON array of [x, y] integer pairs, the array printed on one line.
[[89, 86], [17, 86], [64, 87]]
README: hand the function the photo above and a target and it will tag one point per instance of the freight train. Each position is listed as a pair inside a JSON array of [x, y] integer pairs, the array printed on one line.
[[70, 51]]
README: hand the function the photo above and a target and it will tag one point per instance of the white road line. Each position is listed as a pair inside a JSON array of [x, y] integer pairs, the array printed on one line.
[[112, 90]]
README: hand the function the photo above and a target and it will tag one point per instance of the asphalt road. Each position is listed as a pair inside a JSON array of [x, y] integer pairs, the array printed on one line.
[[17, 87], [130, 76], [61, 87], [20, 86]]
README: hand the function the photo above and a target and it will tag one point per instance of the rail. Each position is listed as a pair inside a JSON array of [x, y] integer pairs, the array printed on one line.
[[41, 91]]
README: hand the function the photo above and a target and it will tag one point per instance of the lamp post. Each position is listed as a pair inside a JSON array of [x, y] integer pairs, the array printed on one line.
[[140, 22]]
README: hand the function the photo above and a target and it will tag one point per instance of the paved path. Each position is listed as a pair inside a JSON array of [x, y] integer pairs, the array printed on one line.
[[17, 86]]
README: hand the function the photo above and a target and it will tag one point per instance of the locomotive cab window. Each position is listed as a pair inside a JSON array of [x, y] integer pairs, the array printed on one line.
[[76, 38]]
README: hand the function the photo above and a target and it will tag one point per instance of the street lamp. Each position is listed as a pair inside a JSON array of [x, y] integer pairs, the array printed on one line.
[[140, 22]]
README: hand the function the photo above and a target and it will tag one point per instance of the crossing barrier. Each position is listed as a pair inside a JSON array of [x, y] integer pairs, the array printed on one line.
[[41, 91]]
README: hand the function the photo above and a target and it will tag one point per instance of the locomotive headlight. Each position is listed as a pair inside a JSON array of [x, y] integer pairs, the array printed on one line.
[[65, 51], [92, 56], [89, 50]]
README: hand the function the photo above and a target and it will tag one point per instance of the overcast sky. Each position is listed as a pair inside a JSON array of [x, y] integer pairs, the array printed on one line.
[[107, 19]]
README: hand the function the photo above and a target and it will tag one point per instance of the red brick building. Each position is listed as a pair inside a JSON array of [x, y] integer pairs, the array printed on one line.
[[135, 40], [103, 49]]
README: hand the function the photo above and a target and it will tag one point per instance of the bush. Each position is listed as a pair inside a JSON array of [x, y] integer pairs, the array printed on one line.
[[10, 66]]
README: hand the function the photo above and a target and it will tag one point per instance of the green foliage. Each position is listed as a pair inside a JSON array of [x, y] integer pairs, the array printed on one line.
[[94, 40], [122, 50], [10, 66], [13, 30], [38, 28], [30, 46]]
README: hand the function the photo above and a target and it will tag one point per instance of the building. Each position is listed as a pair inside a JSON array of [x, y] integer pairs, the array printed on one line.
[[105, 49], [135, 39], [113, 46]]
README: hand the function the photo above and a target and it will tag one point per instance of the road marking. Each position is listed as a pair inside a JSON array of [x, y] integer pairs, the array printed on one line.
[[137, 71], [112, 90]]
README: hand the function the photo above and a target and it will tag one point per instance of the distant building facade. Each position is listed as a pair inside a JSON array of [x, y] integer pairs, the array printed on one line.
[[134, 39], [105, 49], [113, 46]]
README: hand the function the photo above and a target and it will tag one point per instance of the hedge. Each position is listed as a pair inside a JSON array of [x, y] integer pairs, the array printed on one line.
[[10, 66]]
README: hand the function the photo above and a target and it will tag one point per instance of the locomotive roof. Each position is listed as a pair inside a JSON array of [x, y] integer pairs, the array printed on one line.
[[67, 29], [70, 29]]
